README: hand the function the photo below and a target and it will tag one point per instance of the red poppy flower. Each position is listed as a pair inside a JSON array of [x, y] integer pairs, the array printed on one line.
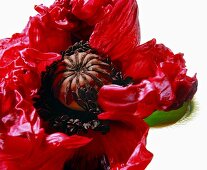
[[83, 108]]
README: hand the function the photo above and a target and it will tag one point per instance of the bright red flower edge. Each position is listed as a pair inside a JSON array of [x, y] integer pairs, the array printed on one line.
[[112, 28]]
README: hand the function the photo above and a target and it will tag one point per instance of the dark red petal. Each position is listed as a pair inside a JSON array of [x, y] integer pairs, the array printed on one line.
[[10, 47], [22, 118], [39, 151], [141, 65], [46, 33], [113, 98], [185, 88], [19, 81], [116, 30], [91, 11], [67, 142], [7, 99], [128, 139], [145, 60], [141, 98], [38, 59], [164, 89], [140, 158], [56, 28], [165, 71], [49, 31], [148, 99], [175, 63]]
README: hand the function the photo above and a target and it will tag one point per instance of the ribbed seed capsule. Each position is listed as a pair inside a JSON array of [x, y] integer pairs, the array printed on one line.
[[78, 73]]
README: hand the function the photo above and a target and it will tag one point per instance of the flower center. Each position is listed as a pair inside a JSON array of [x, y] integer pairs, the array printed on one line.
[[79, 77], [67, 98]]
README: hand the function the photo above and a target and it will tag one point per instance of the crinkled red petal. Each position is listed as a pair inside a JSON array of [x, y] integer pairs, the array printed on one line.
[[91, 11], [118, 33], [116, 27], [139, 99], [50, 30], [126, 141], [114, 97], [165, 71], [40, 152], [20, 79]]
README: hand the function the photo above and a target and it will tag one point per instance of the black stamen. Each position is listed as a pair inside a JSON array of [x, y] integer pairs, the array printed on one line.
[[71, 126]]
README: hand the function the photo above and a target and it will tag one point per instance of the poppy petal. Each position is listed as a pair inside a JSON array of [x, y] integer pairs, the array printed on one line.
[[49, 31], [119, 98], [38, 152], [39, 59], [128, 140], [90, 10], [154, 63], [141, 98], [118, 32]]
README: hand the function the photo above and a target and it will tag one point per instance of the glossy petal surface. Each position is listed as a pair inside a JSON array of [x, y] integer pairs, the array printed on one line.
[[38, 152], [165, 71]]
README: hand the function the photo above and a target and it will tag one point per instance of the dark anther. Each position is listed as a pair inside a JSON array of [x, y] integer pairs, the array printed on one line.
[[71, 126], [77, 47], [119, 79]]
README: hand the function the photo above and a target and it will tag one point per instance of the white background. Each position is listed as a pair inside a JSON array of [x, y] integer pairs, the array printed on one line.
[[180, 25]]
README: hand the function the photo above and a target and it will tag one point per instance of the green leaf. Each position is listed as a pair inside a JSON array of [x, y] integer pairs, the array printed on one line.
[[164, 118]]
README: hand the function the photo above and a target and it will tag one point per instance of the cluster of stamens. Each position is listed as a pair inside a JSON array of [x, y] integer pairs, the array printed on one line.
[[67, 98]]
